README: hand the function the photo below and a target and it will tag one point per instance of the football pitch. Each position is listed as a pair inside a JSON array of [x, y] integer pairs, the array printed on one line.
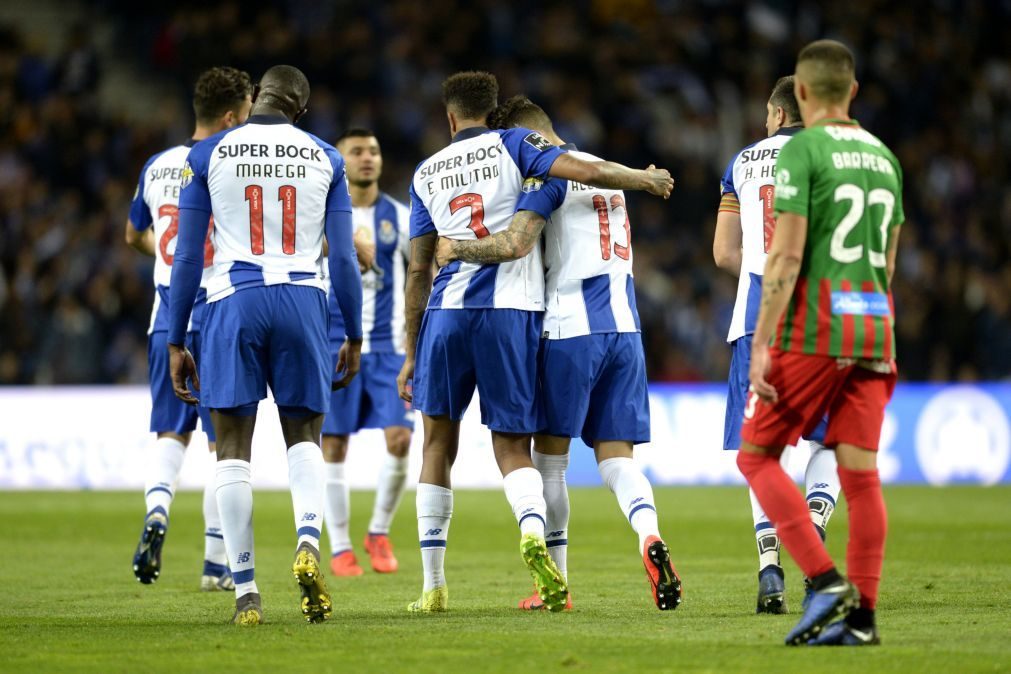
[[69, 602]]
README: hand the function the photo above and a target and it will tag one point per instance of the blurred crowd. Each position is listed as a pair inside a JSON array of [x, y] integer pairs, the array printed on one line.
[[680, 84]]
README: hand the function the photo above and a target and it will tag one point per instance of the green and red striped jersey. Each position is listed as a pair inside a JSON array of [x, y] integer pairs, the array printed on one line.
[[849, 186]]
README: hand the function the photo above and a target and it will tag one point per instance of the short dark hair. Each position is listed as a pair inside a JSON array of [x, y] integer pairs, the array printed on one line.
[[783, 97], [519, 111], [354, 132], [284, 88], [473, 94], [831, 69], [219, 90]]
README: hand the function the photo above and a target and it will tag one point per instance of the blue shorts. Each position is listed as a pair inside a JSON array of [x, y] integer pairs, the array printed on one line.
[[492, 349], [267, 336], [371, 399], [594, 387], [168, 413], [737, 396]]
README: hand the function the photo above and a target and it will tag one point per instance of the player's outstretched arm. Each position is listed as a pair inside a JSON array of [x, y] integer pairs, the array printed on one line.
[[614, 176], [781, 271], [510, 244], [419, 287], [142, 241], [346, 286]]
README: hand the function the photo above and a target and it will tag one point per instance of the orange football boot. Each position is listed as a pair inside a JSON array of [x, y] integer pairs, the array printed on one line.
[[345, 564], [663, 579], [380, 553]]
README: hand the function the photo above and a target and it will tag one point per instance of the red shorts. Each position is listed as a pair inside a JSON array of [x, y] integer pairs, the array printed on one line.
[[811, 386]]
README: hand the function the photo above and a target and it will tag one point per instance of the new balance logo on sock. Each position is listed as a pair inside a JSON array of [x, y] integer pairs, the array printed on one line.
[[308, 517], [243, 558], [528, 510], [641, 498], [820, 485], [433, 532], [554, 534]]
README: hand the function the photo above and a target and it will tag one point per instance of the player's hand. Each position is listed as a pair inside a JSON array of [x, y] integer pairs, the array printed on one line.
[[349, 360], [365, 248], [761, 365], [181, 368], [660, 181], [404, 380], [443, 251]]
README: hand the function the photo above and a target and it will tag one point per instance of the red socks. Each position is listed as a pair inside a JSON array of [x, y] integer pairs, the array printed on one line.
[[787, 510], [868, 526]]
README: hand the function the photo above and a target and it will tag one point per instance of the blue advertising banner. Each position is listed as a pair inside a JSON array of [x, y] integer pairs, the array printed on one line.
[[933, 434]]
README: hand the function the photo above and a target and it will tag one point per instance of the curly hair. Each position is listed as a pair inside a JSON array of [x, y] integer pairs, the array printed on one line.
[[473, 93], [219, 90], [519, 111]]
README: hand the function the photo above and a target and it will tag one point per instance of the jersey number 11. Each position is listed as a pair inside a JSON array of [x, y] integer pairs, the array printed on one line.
[[286, 195]]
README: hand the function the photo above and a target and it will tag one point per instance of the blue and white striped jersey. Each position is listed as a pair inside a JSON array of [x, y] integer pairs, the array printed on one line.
[[588, 254], [467, 191], [266, 231], [750, 178], [388, 222], [156, 204]]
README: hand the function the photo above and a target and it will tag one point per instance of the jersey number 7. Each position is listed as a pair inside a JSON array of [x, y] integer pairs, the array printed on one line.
[[286, 195]]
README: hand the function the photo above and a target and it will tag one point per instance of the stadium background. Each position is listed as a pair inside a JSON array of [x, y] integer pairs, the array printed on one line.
[[89, 90]]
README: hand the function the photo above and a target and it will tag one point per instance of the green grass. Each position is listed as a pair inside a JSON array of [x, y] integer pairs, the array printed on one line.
[[68, 600]]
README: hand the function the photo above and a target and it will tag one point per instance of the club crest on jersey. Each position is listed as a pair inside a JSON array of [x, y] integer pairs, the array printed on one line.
[[532, 185], [187, 175], [387, 232], [537, 141], [783, 185]]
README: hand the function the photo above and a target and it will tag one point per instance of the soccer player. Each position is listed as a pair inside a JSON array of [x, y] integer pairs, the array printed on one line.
[[483, 323], [744, 227], [824, 341], [592, 365], [273, 190], [371, 400], [221, 100]]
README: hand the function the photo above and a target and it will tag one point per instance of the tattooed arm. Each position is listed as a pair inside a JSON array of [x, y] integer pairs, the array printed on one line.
[[419, 287], [510, 244], [611, 175], [778, 282]]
